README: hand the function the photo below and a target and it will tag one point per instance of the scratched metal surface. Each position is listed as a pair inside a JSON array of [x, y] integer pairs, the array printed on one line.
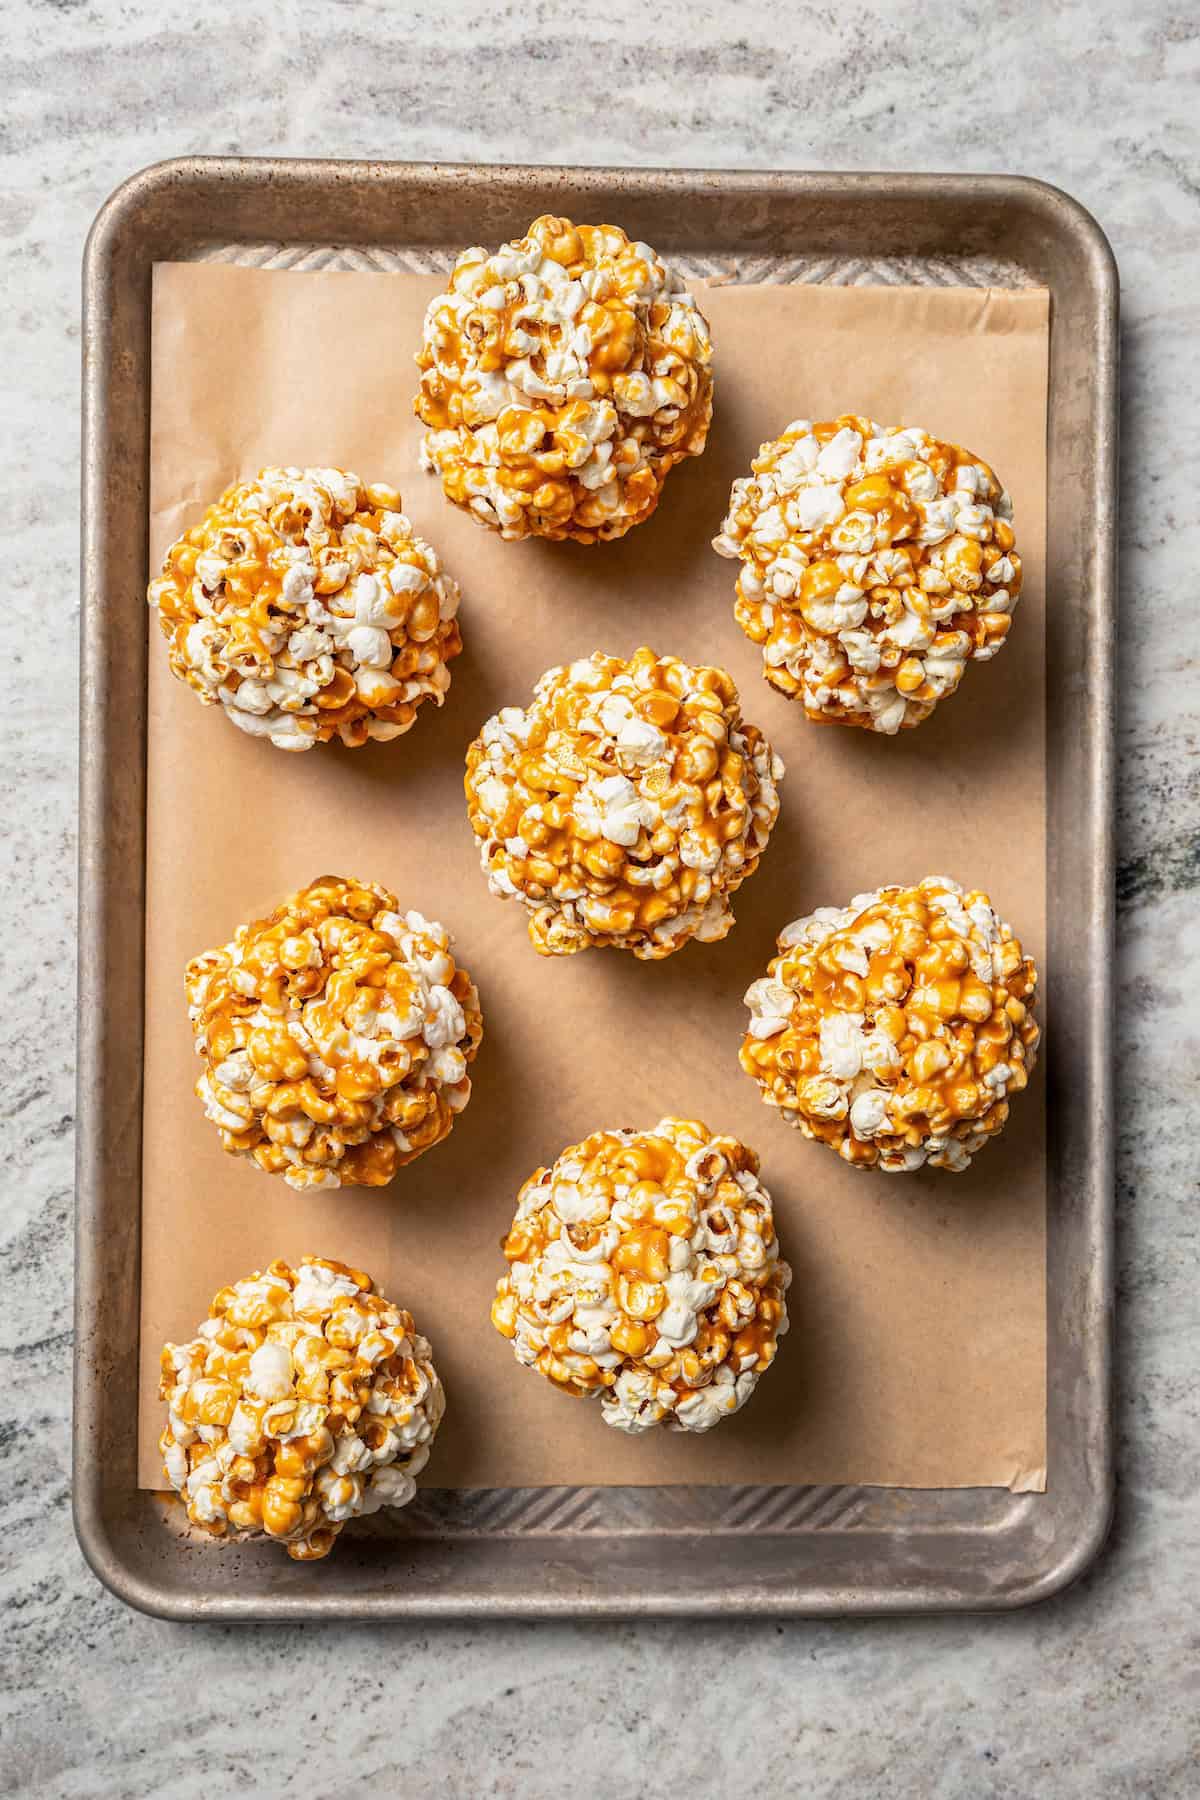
[[601, 1551]]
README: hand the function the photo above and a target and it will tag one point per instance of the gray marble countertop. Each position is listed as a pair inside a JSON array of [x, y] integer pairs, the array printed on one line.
[[1096, 1692]]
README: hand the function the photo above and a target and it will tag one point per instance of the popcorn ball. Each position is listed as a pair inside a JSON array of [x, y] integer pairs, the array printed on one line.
[[562, 377], [624, 806], [643, 1267], [895, 1029], [305, 605], [336, 1035], [876, 563], [305, 1399]]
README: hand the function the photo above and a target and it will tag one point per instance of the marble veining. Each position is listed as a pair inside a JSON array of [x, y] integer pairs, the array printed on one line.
[[1096, 1692]]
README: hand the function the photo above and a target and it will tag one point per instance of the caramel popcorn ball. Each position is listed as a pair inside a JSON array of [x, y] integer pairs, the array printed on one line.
[[643, 1267], [624, 806], [304, 604], [305, 1399], [876, 563], [336, 1035], [895, 1029], [562, 377]]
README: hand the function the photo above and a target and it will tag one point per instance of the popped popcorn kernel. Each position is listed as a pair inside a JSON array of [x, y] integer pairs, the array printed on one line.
[[896, 1029], [336, 1035], [562, 377], [877, 562], [305, 1399], [644, 1268], [305, 605], [624, 806]]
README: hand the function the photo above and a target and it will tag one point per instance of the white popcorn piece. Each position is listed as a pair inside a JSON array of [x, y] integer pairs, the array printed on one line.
[[329, 1078], [876, 563], [306, 1400], [664, 801], [644, 1268], [597, 382], [896, 1029], [305, 606]]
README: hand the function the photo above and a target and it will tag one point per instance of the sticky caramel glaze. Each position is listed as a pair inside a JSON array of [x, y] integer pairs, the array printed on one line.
[[791, 622], [644, 1194], [542, 443], [319, 958], [272, 1488], [710, 767], [256, 549], [949, 1027]]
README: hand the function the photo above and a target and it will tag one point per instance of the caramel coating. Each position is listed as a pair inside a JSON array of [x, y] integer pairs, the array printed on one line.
[[305, 605], [876, 563], [895, 1030], [624, 806], [562, 378], [304, 1400], [336, 1035], [644, 1268]]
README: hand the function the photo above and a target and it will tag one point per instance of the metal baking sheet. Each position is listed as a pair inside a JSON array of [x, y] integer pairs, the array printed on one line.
[[605, 1552]]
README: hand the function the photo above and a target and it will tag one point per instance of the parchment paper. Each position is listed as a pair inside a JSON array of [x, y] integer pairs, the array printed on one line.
[[917, 1348]]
